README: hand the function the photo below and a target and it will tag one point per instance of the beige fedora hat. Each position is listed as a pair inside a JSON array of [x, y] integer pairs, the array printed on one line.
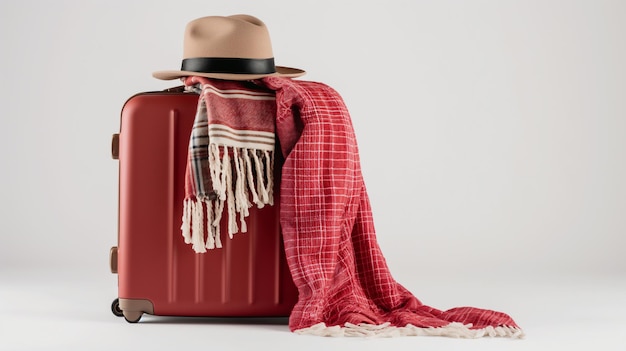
[[234, 47]]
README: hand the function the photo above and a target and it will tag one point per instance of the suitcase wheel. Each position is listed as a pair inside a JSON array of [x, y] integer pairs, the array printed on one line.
[[129, 316], [115, 308], [132, 316], [132, 309]]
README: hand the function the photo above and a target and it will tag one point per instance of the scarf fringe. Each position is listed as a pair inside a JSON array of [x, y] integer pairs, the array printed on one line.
[[454, 330], [249, 174]]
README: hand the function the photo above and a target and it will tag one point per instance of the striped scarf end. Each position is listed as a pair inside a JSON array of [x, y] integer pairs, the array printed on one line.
[[240, 178]]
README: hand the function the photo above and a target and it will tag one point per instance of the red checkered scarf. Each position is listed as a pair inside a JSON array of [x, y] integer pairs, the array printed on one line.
[[344, 284]]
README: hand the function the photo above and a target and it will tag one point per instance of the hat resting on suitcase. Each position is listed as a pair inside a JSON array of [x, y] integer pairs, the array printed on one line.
[[235, 47]]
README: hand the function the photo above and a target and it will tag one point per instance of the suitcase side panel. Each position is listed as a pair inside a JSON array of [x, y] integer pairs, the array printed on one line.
[[248, 277]]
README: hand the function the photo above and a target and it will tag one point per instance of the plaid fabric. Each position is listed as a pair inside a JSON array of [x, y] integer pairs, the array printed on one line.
[[345, 286]]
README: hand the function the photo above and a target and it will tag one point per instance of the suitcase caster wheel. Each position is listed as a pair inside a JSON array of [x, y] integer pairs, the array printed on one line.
[[132, 316], [115, 308]]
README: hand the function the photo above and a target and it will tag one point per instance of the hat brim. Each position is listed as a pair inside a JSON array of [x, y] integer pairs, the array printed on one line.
[[281, 71]]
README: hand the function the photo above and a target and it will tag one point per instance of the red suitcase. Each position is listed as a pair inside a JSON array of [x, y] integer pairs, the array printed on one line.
[[157, 272]]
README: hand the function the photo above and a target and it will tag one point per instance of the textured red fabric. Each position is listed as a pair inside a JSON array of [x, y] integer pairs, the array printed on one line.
[[327, 223]]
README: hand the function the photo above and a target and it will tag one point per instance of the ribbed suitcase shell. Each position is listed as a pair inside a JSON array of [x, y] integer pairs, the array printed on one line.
[[158, 273]]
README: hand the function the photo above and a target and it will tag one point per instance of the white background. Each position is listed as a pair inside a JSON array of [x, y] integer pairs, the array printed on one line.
[[491, 136]]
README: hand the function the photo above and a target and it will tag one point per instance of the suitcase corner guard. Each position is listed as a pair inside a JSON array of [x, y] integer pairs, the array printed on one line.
[[133, 309]]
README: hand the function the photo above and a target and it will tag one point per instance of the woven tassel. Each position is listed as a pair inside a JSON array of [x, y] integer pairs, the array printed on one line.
[[239, 182], [210, 240], [249, 167], [217, 174], [241, 195], [260, 188], [217, 216], [197, 222], [186, 226], [453, 330], [269, 174]]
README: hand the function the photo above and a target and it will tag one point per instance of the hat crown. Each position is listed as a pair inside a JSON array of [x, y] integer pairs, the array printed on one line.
[[238, 36], [235, 47]]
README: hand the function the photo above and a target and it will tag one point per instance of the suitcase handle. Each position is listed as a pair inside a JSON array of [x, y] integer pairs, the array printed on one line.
[[115, 146], [176, 89], [113, 259]]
